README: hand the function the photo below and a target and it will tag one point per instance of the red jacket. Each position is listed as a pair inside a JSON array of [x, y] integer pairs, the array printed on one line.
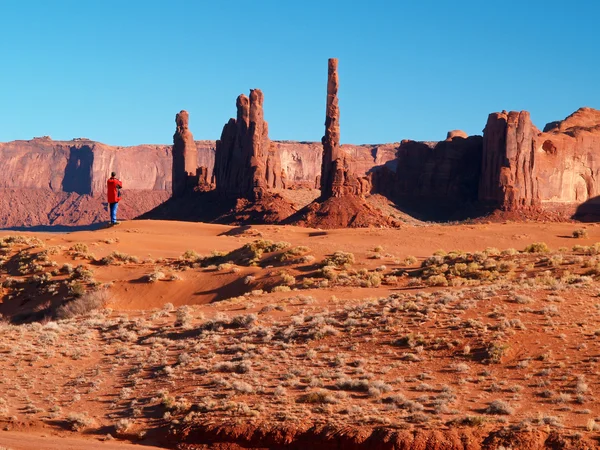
[[113, 186]]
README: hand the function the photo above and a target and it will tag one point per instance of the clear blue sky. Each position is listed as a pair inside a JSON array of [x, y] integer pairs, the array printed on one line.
[[117, 71]]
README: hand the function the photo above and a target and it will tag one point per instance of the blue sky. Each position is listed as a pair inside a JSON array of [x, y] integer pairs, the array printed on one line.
[[118, 71]]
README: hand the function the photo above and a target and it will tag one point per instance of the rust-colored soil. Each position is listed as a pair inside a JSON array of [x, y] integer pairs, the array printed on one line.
[[211, 336], [341, 212]]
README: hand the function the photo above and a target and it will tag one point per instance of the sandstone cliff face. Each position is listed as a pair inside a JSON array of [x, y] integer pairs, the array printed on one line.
[[82, 166], [247, 165], [435, 170], [508, 162], [568, 159], [301, 161]]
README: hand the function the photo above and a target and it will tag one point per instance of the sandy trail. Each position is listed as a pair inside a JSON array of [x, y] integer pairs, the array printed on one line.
[[15, 440]]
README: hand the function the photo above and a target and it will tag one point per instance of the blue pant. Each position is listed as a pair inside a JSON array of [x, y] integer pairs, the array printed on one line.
[[113, 212]]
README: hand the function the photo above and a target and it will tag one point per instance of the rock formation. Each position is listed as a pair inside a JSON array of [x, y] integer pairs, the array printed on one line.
[[247, 165], [446, 170], [508, 162], [567, 166], [337, 177], [185, 156], [342, 202]]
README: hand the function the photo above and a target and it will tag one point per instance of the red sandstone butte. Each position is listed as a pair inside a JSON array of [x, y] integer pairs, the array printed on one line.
[[507, 177], [247, 164], [567, 167], [556, 170]]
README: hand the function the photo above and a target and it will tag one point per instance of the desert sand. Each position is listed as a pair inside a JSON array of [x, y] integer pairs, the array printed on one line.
[[191, 335]]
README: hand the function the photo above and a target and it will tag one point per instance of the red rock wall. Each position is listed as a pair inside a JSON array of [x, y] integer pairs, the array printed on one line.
[[508, 161], [557, 169], [434, 170], [82, 166], [568, 159]]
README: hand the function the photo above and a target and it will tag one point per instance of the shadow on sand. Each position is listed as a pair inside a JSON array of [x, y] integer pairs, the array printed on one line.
[[59, 228], [588, 211]]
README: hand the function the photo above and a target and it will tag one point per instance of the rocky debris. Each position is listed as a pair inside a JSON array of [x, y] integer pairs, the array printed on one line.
[[247, 165], [204, 180], [185, 156], [507, 177]]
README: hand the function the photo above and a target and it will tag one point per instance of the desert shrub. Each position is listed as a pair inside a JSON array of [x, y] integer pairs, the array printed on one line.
[[495, 351], [78, 422], [499, 407], [491, 251], [191, 256], [183, 316], [339, 259], [123, 425], [67, 268], [537, 247], [437, 280], [82, 273], [9, 241], [580, 233], [77, 289], [294, 252], [507, 266], [245, 321], [250, 254], [316, 397], [410, 260], [281, 288], [118, 257], [82, 305], [287, 279], [154, 276]]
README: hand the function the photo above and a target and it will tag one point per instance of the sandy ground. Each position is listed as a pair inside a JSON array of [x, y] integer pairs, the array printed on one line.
[[139, 350], [14, 440]]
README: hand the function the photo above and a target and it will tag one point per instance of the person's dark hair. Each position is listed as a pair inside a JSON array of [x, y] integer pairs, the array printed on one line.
[[113, 174]]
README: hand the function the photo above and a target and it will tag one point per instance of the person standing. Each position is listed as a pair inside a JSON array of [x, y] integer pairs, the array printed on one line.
[[114, 187]]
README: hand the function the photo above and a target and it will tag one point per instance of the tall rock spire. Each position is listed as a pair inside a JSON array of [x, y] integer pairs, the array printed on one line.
[[185, 154]]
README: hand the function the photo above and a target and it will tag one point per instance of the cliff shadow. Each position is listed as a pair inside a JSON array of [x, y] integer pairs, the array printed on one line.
[[588, 211], [78, 172], [193, 207], [433, 182], [58, 228]]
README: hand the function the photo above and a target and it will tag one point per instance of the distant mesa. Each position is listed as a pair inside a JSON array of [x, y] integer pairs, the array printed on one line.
[[513, 171]]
